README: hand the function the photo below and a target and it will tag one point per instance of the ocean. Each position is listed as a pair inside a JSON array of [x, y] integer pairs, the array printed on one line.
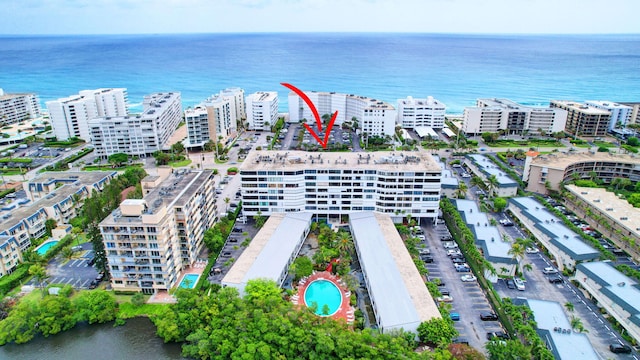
[[455, 69]]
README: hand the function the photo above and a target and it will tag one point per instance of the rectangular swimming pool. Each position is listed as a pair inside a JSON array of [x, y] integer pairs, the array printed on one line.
[[189, 281], [42, 249]]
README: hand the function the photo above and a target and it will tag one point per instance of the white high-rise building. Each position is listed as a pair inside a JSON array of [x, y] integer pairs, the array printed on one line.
[[374, 117], [620, 114], [494, 115], [141, 134], [214, 118], [70, 116], [15, 108], [238, 99], [262, 110], [415, 113]]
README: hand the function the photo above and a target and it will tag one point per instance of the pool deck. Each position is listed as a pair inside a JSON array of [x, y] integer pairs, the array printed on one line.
[[163, 297], [344, 312]]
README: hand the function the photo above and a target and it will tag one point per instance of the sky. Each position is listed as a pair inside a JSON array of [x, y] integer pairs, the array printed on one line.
[[224, 16]]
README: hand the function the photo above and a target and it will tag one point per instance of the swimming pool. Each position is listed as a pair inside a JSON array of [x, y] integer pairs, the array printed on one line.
[[323, 292], [42, 249], [189, 281]]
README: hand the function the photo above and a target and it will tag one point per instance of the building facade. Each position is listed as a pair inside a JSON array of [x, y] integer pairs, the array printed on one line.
[[215, 119], [139, 135], [262, 110], [547, 172], [582, 119], [416, 113], [374, 117], [150, 241], [484, 168], [15, 108], [620, 115], [332, 184], [496, 115], [70, 116]]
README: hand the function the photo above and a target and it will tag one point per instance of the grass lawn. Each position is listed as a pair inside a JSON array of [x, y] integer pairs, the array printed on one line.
[[529, 143], [182, 163], [127, 310], [582, 145], [605, 144]]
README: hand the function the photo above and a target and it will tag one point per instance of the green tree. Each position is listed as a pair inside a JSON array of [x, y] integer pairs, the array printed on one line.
[[499, 204], [517, 251], [227, 200], [301, 267], [437, 331], [461, 192], [633, 141], [161, 157], [97, 306], [259, 219], [118, 159], [507, 350], [177, 148], [49, 225], [492, 183], [569, 306], [40, 276], [55, 315], [99, 254]]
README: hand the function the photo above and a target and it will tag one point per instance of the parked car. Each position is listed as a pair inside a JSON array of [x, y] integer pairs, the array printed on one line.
[[445, 298], [519, 284], [466, 175], [444, 291], [510, 283], [463, 268], [467, 278], [497, 334], [531, 250], [555, 278], [460, 341], [450, 245], [620, 348], [420, 237], [427, 259], [452, 252], [454, 316], [488, 316], [236, 230], [91, 262], [549, 270], [458, 260]]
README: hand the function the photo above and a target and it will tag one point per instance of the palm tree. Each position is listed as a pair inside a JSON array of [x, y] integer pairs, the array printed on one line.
[[226, 201], [576, 324], [517, 251], [462, 190], [492, 183], [344, 242], [569, 305], [40, 275], [527, 267], [476, 181]]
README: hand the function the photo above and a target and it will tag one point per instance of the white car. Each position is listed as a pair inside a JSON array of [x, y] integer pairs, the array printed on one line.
[[450, 245], [420, 237], [467, 278], [549, 270], [453, 252], [466, 175], [531, 250], [519, 284], [445, 298]]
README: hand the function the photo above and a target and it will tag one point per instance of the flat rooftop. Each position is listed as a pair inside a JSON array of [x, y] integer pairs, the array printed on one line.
[[399, 290], [608, 104], [618, 287], [567, 345], [607, 202], [84, 177], [512, 105], [580, 107], [408, 161], [448, 180], [269, 252], [488, 167], [561, 160], [560, 235], [488, 236]]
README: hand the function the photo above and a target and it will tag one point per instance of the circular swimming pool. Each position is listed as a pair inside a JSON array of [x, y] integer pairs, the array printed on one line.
[[325, 295]]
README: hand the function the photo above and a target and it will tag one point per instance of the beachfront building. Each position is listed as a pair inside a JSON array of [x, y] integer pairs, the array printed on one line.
[[215, 119], [484, 168], [150, 241], [271, 251], [565, 246], [554, 328], [582, 119], [141, 134], [504, 115], [70, 116], [614, 292], [488, 239], [374, 117], [609, 214], [635, 112], [547, 172], [420, 113], [620, 115], [15, 108], [336, 183], [262, 110], [399, 296]]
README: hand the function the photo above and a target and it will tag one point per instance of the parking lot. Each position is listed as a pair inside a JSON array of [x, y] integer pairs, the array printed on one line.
[[75, 272], [468, 299], [232, 249]]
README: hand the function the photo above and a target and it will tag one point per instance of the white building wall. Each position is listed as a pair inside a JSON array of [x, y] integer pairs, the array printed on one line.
[[237, 96], [262, 107], [109, 102], [16, 108], [619, 113], [414, 113]]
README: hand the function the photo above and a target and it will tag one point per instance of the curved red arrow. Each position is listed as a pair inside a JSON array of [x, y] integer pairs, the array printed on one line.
[[324, 142]]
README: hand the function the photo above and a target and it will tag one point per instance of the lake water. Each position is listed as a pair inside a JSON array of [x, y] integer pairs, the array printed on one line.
[[135, 340]]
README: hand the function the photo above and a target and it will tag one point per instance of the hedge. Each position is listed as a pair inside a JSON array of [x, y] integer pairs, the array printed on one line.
[[11, 281], [55, 249]]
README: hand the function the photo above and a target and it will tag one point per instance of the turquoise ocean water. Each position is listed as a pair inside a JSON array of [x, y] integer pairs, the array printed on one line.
[[455, 69]]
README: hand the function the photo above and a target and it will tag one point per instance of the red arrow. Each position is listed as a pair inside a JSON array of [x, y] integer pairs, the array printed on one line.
[[324, 142]]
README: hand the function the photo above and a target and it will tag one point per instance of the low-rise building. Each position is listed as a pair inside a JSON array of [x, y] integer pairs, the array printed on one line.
[[271, 251], [582, 119], [614, 292], [418, 113], [262, 110], [547, 172], [15, 108], [565, 246], [10, 254], [484, 168], [150, 241], [338, 183], [449, 182], [555, 330], [47, 182], [489, 240], [399, 296]]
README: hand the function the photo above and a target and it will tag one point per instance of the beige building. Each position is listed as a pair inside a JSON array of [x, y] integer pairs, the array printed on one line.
[[15, 108], [582, 119], [150, 241], [550, 170], [609, 214]]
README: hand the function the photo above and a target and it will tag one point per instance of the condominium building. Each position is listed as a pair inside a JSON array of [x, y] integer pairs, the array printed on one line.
[[635, 112], [139, 135], [150, 241], [262, 110], [237, 94], [484, 168], [614, 292], [546, 172], [373, 117], [331, 184], [10, 254], [215, 119], [495, 115], [15, 108], [419, 113], [620, 115], [70, 116], [582, 119]]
